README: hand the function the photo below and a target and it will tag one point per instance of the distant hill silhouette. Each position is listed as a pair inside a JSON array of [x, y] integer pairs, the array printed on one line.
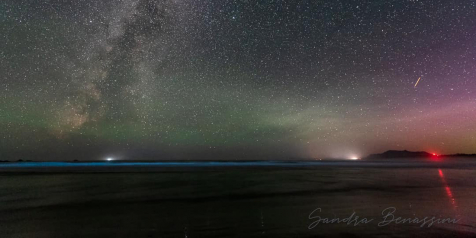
[[462, 155], [396, 154]]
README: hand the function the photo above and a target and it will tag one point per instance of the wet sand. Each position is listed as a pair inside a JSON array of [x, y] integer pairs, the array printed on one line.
[[235, 201]]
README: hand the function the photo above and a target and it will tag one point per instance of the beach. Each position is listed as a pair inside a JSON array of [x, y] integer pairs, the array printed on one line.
[[236, 202]]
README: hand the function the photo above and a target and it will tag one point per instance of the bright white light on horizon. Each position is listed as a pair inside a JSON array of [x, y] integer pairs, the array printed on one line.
[[354, 158], [109, 159]]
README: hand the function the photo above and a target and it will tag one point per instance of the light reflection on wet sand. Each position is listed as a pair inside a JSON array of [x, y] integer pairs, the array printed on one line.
[[447, 188], [258, 202]]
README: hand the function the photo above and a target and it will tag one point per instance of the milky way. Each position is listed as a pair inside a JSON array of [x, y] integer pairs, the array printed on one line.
[[194, 79]]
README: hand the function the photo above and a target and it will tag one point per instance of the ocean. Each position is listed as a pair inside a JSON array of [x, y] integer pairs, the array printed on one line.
[[239, 199]]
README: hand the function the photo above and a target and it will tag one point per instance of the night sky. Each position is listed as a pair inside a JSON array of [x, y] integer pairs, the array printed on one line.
[[243, 79]]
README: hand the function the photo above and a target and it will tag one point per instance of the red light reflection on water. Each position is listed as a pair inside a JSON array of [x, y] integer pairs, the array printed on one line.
[[447, 188]]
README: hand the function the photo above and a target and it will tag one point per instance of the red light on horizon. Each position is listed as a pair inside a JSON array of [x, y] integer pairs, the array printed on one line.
[[435, 157]]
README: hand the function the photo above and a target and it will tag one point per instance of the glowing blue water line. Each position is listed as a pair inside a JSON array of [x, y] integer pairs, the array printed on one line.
[[154, 164]]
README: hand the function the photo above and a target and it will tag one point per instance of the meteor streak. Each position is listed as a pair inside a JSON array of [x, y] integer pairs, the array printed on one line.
[[417, 81]]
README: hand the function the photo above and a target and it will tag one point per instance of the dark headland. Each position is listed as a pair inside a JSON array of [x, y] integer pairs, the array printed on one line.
[[405, 154], [396, 154]]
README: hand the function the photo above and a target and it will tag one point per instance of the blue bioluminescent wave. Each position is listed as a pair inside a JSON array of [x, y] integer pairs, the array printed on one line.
[[156, 164]]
